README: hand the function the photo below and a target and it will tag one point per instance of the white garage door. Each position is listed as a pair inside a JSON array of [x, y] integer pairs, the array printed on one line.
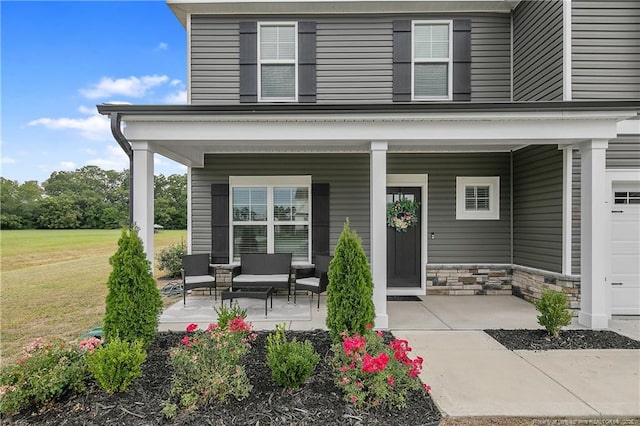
[[625, 249]]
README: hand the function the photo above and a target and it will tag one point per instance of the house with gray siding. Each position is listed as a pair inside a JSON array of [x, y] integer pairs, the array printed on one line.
[[512, 126]]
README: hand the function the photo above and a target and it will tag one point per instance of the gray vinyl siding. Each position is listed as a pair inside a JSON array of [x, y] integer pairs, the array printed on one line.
[[460, 241], [346, 174], [622, 153], [354, 57], [605, 49], [537, 207], [491, 58], [537, 51], [215, 68]]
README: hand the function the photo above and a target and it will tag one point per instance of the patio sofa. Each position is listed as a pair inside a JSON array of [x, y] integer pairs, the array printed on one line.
[[262, 271]]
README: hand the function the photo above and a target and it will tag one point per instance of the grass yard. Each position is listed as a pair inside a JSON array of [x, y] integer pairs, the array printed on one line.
[[53, 283]]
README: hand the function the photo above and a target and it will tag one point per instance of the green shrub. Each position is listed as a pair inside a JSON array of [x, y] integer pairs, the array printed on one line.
[[133, 302], [554, 311], [170, 259], [227, 314], [46, 371], [116, 364], [206, 366], [350, 290], [291, 362], [371, 373]]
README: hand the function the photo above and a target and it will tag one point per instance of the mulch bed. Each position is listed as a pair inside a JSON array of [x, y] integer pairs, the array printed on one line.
[[318, 402], [539, 340]]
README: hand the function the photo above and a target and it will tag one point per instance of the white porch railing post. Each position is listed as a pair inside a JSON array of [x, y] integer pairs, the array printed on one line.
[[143, 195], [378, 179], [595, 309]]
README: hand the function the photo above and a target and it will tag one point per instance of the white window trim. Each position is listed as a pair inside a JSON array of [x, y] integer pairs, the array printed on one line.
[[438, 61], [279, 61], [494, 198], [269, 182]]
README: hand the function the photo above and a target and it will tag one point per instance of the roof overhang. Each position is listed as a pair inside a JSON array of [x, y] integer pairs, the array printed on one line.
[[182, 8], [186, 133]]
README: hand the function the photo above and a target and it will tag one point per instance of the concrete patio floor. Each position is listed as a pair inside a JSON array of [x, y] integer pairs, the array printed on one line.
[[473, 375]]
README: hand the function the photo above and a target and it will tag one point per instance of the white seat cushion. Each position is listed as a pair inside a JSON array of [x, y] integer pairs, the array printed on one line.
[[311, 281], [249, 278], [199, 279]]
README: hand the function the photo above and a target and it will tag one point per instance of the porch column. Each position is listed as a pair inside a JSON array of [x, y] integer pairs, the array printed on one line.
[[143, 195], [595, 309], [378, 179]]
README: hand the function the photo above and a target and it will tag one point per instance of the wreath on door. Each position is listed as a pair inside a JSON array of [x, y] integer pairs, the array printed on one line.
[[402, 214]]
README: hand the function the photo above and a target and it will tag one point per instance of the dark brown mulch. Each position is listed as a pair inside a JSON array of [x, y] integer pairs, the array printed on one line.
[[539, 340], [318, 402]]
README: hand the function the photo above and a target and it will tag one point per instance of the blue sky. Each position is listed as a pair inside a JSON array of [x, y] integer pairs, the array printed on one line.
[[61, 59]]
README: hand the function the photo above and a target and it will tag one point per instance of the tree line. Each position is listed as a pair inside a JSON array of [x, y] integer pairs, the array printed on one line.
[[87, 198]]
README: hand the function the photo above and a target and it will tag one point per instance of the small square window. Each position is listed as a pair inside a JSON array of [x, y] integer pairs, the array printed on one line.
[[478, 198]]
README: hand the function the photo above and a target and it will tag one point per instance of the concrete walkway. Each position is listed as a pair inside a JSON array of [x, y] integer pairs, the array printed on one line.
[[473, 375]]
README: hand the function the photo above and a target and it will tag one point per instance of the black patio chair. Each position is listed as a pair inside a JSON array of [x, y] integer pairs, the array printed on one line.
[[196, 273], [317, 282]]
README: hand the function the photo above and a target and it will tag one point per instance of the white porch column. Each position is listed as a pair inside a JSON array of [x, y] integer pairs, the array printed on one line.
[[567, 207], [595, 309], [378, 179], [143, 195]]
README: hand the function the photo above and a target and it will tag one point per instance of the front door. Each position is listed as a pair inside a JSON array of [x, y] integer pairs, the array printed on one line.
[[403, 248]]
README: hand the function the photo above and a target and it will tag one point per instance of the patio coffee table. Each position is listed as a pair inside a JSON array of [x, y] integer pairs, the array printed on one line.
[[262, 293]]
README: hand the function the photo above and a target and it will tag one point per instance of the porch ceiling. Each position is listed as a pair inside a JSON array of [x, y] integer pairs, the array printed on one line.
[[185, 134]]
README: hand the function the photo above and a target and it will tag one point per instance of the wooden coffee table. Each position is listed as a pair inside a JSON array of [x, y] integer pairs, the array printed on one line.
[[262, 293]]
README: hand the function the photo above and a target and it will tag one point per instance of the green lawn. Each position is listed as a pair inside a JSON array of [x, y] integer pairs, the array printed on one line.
[[53, 282]]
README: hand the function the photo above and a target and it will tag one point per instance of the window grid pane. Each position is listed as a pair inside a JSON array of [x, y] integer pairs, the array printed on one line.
[[477, 198], [431, 41], [291, 204], [292, 239], [278, 81], [277, 42], [249, 204], [249, 239], [431, 80]]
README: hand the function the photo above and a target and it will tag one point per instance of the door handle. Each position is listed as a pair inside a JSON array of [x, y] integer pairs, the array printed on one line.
[[617, 283], [617, 211]]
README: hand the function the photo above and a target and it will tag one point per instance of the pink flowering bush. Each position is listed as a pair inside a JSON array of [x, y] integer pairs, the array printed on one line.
[[373, 373], [46, 371], [207, 366]]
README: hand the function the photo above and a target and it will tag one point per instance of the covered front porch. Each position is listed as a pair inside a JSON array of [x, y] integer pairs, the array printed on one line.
[[190, 134]]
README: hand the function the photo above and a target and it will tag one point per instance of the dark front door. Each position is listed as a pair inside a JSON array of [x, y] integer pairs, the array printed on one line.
[[403, 248]]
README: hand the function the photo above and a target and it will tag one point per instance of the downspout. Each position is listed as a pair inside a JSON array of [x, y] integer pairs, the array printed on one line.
[[116, 130]]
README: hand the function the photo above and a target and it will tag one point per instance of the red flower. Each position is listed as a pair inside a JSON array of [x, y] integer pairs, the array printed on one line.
[[353, 345], [368, 326], [354, 399], [185, 341], [192, 327], [391, 380], [426, 387], [373, 365]]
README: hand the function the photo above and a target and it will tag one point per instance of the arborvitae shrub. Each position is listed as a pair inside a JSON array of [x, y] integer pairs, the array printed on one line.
[[554, 311], [291, 362], [350, 290], [133, 302], [117, 364]]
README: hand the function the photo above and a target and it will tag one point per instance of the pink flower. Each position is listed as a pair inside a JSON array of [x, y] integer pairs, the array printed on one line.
[[368, 326], [238, 324], [192, 327], [353, 345], [359, 384], [426, 387], [391, 380], [212, 326], [344, 381], [343, 368], [379, 333], [186, 341], [354, 399]]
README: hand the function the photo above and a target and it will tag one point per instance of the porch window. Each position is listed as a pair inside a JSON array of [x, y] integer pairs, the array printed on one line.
[[277, 61], [478, 198], [271, 214], [432, 56]]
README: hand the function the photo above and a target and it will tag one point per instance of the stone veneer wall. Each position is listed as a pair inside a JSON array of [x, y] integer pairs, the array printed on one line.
[[528, 284], [469, 279]]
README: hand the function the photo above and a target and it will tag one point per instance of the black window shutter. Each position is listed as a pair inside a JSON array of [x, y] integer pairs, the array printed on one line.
[[220, 223], [462, 60], [306, 62], [320, 219], [402, 61], [249, 61]]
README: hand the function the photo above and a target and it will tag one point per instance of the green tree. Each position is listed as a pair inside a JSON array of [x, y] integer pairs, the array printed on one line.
[[170, 195], [19, 203], [58, 213], [350, 291], [133, 301]]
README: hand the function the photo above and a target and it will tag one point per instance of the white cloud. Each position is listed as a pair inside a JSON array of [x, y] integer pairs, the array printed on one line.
[[161, 46], [112, 159], [95, 126], [176, 82], [133, 86], [89, 151], [7, 160], [179, 97], [68, 165]]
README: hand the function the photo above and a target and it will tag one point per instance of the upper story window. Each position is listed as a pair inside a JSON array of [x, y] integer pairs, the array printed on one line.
[[277, 61], [478, 198], [432, 60], [271, 214]]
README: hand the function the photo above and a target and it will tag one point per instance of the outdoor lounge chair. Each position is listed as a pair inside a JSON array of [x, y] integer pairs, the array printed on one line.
[[261, 270], [196, 273], [317, 283]]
